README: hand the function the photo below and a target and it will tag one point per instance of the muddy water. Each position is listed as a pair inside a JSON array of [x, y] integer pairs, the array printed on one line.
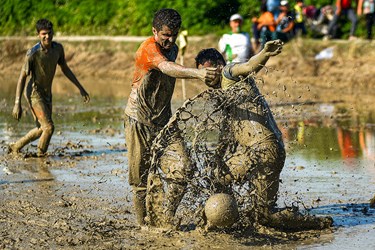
[[80, 189]]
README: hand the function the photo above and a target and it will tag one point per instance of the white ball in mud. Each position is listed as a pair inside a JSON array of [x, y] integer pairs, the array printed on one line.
[[221, 210]]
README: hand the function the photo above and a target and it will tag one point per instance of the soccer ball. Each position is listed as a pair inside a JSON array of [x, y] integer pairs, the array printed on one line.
[[221, 210]]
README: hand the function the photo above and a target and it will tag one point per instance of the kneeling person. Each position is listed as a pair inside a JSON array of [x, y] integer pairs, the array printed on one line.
[[259, 155]]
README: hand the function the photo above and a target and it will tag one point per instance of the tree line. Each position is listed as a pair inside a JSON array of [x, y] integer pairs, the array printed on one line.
[[124, 17]]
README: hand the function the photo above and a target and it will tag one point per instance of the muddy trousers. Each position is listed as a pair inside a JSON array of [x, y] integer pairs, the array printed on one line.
[[266, 187], [265, 179], [264, 197], [42, 115], [139, 139], [176, 166], [139, 203]]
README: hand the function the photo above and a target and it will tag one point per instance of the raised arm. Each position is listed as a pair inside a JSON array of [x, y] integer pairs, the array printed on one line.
[[17, 109], [256, 63], [70, 75], [172, 69]]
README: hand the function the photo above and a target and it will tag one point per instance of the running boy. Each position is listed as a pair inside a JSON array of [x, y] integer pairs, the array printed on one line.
[[41, 61]]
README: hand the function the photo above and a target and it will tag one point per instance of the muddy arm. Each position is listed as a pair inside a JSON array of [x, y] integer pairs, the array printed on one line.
[[17, 109], [70, 75], [172, 69], [256, 63]]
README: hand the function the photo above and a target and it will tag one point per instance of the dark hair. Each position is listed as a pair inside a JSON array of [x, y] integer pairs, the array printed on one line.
[[43, 24], [168, 17], [263, 7], [209, 55]]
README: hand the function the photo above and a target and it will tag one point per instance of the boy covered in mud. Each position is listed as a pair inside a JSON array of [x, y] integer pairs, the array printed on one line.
[[260, 156], [40, 62], [149, 104]]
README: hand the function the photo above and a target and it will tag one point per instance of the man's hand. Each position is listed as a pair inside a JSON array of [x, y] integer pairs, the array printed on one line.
[[273, 48], [210, 74], [85, 95], [17, 111]]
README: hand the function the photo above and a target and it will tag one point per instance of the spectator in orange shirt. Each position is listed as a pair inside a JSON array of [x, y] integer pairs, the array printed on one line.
[[265, 25]]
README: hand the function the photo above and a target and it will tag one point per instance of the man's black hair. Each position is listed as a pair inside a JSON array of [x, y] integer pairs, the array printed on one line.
[[43, 24], [209, 55], [168, 17]]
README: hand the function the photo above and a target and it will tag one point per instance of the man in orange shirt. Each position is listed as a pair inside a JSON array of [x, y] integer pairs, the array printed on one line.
[[149, 104]]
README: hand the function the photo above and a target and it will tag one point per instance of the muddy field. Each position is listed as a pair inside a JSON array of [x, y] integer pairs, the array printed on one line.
[[78, 197]]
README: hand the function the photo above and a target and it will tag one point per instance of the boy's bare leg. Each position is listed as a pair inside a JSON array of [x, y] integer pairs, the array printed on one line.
[[32, 135], [43, 115], [45, 138]]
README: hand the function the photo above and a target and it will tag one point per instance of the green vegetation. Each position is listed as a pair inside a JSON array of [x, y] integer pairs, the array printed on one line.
[[124, 17]]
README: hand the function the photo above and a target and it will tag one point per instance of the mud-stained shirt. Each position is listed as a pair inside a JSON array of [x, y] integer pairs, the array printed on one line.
[[264, 127], [150, 98], [41, 64]]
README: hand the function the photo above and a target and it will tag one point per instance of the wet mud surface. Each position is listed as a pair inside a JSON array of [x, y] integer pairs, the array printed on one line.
[[78, 197]]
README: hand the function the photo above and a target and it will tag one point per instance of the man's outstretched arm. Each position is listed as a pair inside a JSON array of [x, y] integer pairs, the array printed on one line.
[[172, 69], [257, 62]]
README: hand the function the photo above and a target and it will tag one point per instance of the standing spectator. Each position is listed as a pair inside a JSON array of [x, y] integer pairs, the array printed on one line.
[[284, 22], [299, 22], [367, 7], [344, 7], [273, 7], [322, 22], [265, 25], [236, 45]]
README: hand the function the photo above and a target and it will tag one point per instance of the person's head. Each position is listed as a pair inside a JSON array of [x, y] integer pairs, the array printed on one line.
[[284, 5], [299, 3], [44, 27], [263, 8], [210, 58], [235, 23], [165, 27]]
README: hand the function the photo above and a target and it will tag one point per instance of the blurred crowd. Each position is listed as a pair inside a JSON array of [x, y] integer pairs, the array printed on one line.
[[284, 20]]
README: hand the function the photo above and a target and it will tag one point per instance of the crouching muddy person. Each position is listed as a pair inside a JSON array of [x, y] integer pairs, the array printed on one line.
[[255, 153], [41, 61], [149, 104]]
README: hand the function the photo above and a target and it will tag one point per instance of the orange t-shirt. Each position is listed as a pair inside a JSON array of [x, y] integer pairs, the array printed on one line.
[[267, 18], [150, 98]]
